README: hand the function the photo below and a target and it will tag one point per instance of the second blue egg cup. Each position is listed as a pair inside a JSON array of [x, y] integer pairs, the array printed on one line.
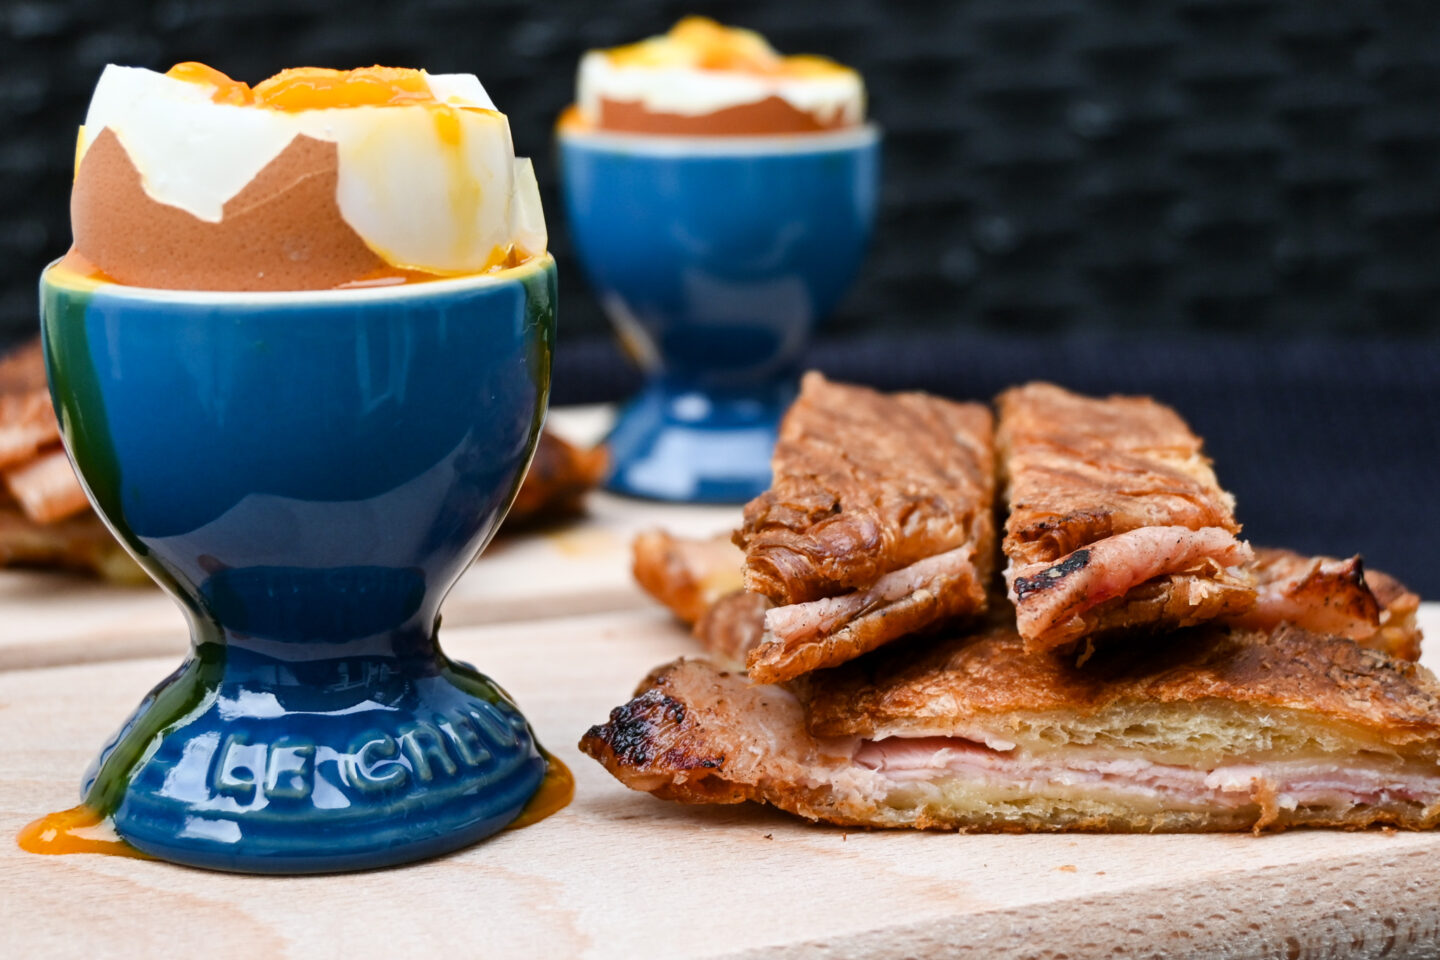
[[715, 258]]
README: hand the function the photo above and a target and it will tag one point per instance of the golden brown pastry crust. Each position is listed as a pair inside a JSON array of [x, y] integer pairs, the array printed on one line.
[[1399, 632], [697, 734], [1079, 469], [878, 524], [866, 483], [80, 543], [699, 581], [27, 418], [555, 486], [672, 568], [914, 602], [686, 574], [989, 673], [1098, 480]]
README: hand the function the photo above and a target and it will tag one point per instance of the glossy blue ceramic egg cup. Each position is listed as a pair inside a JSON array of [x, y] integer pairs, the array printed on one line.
[[714, 258], [308, 474]]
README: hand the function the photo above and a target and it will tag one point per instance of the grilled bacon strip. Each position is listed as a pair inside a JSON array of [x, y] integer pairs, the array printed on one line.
[[868, 486], [1116, 519]]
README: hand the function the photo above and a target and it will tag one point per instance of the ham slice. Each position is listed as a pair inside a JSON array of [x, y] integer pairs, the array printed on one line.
[[1320, 594], [801, 637], [1272, 786], [1052, 599], [1340, 597], [1116, 519]]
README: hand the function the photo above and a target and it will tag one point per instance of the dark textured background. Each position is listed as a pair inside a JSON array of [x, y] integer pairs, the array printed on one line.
[[1049, 163], [1232, 204]]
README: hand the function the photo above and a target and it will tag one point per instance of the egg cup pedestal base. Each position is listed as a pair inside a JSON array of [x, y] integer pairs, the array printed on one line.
[[307, 474], [251, 763], [679, 442]]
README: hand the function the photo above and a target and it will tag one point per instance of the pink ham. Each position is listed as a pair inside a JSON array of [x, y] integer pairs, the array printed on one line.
[[1045, 594], [802, 622], [912, 760]]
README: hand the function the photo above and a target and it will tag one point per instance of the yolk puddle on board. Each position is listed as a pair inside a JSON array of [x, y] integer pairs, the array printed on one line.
[[556, 791], [77, 830]]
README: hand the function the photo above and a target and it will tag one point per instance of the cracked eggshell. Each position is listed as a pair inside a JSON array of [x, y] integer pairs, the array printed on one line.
[[282, 231], [425, 187], [833, 99]]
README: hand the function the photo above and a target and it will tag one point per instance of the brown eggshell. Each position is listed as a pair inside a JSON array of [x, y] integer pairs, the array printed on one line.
[[282, 231], [771, 115]]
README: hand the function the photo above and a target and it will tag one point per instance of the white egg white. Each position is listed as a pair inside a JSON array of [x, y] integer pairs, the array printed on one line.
[[692, 92], [426, 189]]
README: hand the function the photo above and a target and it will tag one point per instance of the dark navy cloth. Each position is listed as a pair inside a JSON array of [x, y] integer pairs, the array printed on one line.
[[1329, 445]]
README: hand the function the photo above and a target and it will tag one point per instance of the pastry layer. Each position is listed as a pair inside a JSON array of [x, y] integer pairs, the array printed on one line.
[[699, 580], [866, 483], [878, 523], [801, 637], [1109, 496], [554, 488], [686, 574], [1341, 597], [694, 578], [695, 734]]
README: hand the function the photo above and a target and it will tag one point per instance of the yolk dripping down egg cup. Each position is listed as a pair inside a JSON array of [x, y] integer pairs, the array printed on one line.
[[307, 474], [714, 258]]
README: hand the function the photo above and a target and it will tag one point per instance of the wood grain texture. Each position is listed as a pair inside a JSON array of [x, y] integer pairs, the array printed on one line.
[[619, 874]]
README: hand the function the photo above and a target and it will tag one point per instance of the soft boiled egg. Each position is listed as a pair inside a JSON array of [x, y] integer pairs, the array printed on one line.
[[313, 178], [703, 78]]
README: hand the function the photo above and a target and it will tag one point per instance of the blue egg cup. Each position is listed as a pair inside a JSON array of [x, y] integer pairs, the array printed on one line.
[[714, 258], [308, 474]]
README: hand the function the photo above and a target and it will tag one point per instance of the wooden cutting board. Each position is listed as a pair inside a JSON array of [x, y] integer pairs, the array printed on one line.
[[557, 620], [619, 874]]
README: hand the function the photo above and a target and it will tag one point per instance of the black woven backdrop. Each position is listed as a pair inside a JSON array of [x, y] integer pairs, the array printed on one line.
[[1186, 197]]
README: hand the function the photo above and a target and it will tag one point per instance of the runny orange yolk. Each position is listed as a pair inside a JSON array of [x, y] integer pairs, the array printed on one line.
[[226, 90], [314, 88], [702, 43]]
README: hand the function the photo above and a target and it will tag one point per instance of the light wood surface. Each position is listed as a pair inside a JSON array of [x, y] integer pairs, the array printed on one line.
[[619, 874], [557, 621]]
